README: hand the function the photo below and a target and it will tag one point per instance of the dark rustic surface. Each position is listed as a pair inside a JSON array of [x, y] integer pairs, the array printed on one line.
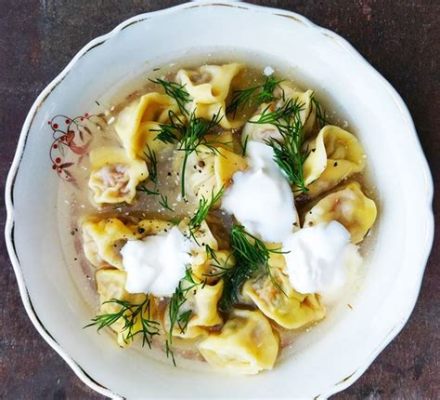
[[400, 38]]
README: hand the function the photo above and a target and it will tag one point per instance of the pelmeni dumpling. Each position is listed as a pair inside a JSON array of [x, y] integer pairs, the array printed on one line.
[[102, 240], [276, 298], [114, 175], [202, 304], [209, 87], [288, 91], [349, 206], [212, 267], [209, 83], [245, 345], [136, 123], [284, 92], [110, 284], [335, 154], [209, 169]]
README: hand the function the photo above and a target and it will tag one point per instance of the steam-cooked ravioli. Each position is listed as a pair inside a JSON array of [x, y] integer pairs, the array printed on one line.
[[174, 265]]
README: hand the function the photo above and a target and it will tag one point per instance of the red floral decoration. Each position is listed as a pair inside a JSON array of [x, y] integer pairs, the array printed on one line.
[[71, 136]]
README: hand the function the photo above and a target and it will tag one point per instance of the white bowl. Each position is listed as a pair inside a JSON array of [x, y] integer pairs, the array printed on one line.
[[327, 359]]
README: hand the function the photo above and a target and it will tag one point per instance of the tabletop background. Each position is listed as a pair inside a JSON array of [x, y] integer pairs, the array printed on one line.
[[399, 38]]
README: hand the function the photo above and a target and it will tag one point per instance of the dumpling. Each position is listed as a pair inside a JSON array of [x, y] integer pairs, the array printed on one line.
[[102, 240], [304, 99], [210, 269], [335, 154], [284, 92], [202, 303], [114, 176], [209, 83], [210, 169], [276, 298], [110, 285], [349, 206], [136, 123], [201, 238], [245, 345], [209, 87], [260, 132]]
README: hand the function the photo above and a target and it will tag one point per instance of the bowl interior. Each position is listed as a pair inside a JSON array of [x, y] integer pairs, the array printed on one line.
[[345, 343]]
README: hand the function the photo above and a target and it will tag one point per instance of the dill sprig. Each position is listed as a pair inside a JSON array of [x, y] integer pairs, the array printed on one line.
[[172, 131], [150, 155], [321, 114], [144, 189], [202, 211], [253, 95], [175, 314], [252, 260], [176, 91], [289, 154], [164, 202], [193, 137], [130, 314]]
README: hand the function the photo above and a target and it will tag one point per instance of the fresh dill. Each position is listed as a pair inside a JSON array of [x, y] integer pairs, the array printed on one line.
[[321, 114], [255, 95], [202, 211], [144, 189], [221, 267], [289, 154], [176, 91], [164, 202], [150, 155], [130, 314], [172, 131], [252, 260], [244, 146], [193, 137], [177, 317]]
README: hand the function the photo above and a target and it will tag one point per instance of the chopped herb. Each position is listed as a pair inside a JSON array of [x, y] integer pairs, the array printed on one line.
[[252, 260], [321, 114], [244, 146], [288, 151], [130, 314], [177, 92], [150, 155], [202, 211], [253, 95], [144, 189], [164, 202], [175, 314]]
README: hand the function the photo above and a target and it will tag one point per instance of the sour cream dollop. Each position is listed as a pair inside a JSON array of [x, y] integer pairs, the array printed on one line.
[[157, 263], [260, 198], [319, 258]]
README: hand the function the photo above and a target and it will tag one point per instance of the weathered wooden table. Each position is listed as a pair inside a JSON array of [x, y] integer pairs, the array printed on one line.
[[400, 38]]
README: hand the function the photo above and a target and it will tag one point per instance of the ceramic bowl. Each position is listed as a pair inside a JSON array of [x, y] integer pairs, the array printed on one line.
[[327, 359]]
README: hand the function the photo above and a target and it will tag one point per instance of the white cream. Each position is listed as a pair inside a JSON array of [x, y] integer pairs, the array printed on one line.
[[260, 198], [319, 258], [157, 263]]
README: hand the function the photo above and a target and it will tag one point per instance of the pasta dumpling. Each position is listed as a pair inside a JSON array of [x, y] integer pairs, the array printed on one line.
[[209, 87], [276, 298], [208, 170], [114, 176], [102, 240], [335, 154], [136, 123], [212, 266], [307, 111], [245, 345], [110, 285], [202, 306], [349, 206], [284, 92], [209, 83]]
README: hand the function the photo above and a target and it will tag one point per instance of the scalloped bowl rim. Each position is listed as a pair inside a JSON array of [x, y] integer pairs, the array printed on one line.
[[9, 227]]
